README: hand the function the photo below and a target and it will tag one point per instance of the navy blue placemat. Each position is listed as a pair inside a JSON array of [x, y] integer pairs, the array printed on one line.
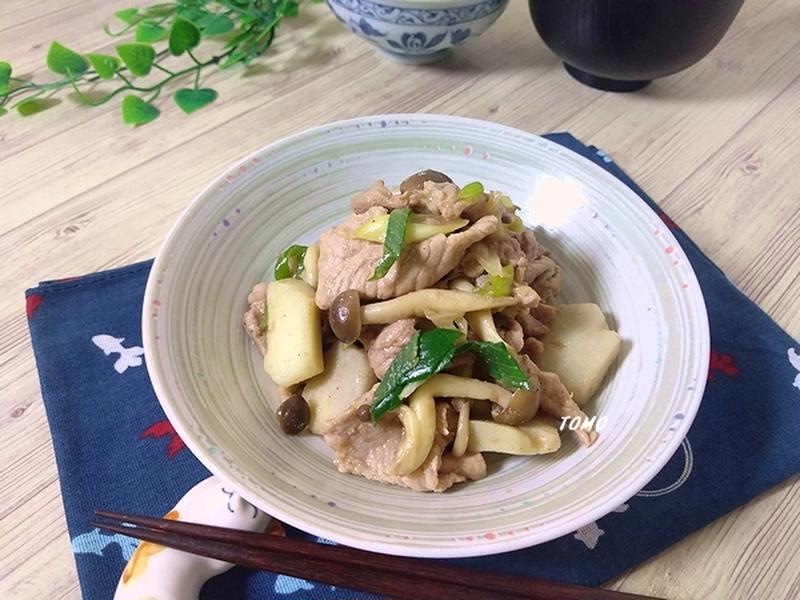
[[115, 449]]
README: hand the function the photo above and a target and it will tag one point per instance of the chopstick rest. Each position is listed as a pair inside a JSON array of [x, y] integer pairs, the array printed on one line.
[[160, 573]]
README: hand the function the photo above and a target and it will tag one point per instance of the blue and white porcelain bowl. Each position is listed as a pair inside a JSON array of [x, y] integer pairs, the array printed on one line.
[[417, 31]]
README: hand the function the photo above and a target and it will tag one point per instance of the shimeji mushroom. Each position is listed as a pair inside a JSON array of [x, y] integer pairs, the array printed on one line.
[[540, 436], [417, 180], [561, 405], [433, 302], [344, 316], [419, 416], [462, 428], [524, 403]]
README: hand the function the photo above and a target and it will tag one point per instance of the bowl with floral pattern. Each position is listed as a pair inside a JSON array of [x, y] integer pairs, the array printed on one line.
[[417, 31]]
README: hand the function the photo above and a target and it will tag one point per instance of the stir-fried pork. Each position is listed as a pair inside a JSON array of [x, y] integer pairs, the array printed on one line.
[[382, 349], [369, 450], [257, 298], [541, 272], [433, 198], [346, 263]]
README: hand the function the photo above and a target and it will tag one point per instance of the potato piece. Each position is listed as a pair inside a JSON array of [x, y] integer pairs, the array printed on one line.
[[346, 378], [539, 436], [294, 332], [579, 349]]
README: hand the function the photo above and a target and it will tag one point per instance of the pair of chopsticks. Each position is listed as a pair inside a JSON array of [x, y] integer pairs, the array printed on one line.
[[392, 576]]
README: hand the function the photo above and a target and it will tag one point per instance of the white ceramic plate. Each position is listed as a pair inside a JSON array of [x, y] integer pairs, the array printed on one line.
[[613, 250]]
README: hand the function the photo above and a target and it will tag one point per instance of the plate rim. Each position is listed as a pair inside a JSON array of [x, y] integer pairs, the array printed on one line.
[[397, 547]]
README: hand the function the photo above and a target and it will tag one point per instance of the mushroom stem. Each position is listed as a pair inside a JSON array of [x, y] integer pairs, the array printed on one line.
[[419, 416], [422, 303], [462, 429]]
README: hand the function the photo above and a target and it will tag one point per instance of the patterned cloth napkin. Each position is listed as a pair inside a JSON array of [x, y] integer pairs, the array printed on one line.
[[116, 450]]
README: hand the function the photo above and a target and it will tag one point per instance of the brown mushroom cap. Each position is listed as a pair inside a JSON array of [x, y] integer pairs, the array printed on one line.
[[293, 414], [522, 407], [344, 316], [416, 181], [364, 414]]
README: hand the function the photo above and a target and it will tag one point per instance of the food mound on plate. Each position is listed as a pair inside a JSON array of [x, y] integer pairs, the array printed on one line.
[[422, 332]]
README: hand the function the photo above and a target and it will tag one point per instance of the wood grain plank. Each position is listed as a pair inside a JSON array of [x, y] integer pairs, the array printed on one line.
[[26, 35], [719, 204], [748, 178], [39, 541], [726, 561], [17, 13]]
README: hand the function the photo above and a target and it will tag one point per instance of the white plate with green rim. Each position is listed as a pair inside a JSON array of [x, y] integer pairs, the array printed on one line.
[[613, 249]]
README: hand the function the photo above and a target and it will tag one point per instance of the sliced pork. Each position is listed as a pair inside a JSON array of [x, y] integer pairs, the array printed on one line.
[[368, 450], [382, 349], [432, 198], [346, 263], [257, 299]]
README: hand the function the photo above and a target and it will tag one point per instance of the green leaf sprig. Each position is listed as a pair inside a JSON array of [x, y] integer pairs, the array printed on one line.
[[470, 192], [499, 363], [393, 242], [290, 262], [498, 285], [429, 353], [424, 355], [243, 30]]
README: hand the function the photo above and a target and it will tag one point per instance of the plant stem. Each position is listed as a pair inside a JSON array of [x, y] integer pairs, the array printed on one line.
[[155, 95], [125, 79], [156, 87], [164, 69], [36, 95], [122, 32], [192, 56]]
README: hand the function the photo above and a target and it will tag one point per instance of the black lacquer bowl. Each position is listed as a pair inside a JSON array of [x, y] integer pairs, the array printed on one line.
[[621, 45]]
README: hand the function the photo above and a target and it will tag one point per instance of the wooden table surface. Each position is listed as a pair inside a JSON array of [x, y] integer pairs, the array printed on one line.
[[717, 146]]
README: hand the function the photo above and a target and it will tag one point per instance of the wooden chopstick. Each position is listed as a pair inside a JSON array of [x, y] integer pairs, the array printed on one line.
[[347, 567]]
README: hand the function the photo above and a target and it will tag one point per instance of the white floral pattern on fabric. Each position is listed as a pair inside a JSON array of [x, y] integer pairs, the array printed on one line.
[[794, 360], [321, 540], [590, 534], [96, 542], [128, 357], [285, 585]]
